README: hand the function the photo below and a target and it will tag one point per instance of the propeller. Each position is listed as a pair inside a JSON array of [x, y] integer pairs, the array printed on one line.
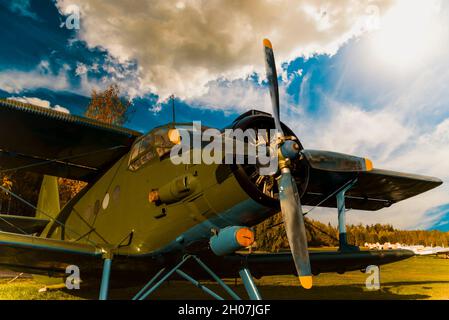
[[288, 191]]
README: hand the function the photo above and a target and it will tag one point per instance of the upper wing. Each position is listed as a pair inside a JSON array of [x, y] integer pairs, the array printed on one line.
[[374, 189], [37, 139]]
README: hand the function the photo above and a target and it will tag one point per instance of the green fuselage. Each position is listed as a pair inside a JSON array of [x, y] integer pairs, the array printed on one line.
[[213, 203]]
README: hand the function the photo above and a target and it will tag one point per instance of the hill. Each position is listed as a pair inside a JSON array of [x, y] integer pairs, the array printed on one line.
[[271, 235]]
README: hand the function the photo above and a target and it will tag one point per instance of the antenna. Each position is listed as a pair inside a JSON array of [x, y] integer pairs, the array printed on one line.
[[172, 98]]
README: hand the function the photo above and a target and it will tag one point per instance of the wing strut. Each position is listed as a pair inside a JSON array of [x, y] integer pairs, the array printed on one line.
[[341, 208], [164, 274], [96, 245]]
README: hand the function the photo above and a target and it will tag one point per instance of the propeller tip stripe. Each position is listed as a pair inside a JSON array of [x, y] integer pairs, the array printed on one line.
[[306, 282], [267, 43], [368, 164]]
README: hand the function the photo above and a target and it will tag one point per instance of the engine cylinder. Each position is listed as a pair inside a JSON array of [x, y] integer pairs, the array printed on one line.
[[263, 189]]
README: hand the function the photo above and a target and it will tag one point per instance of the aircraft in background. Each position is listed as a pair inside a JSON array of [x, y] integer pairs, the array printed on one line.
[[140, 215], [426, 251], [418, 250]]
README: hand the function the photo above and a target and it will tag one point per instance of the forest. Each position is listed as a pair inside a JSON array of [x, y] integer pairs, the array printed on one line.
[[271, 236]]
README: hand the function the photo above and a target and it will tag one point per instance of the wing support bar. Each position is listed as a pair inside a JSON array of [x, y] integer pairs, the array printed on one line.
[[249, 284], [341, 208], [163, 275]]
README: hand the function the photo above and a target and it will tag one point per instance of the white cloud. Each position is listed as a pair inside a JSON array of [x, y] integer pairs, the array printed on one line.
[[385, 138], [81, 69], [61, 109], [241, 95], [350, 129], [394, 139], [409, 34], [40, 103], [400, 119], [236, 95], [155, 108], [181, 46], [203, 52], [15, 81]]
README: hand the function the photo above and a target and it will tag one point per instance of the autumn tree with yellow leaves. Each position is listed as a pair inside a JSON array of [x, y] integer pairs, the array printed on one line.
[[105, 106], [5, 195], [108, 106]]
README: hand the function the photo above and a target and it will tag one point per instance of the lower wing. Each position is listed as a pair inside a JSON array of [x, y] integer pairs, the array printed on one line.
[[24, 253], [322, 262]]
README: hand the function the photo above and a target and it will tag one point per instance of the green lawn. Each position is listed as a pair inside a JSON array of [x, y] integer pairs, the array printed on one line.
[[415, 278]]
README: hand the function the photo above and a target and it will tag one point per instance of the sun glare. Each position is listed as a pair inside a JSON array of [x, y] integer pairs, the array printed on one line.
[[409, 34]]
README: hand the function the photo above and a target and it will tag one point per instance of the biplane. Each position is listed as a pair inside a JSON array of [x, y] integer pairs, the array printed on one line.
[[140, 217]]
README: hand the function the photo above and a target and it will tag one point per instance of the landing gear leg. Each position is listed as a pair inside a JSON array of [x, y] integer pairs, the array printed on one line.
[[343, 241], [150, 288], [249, 284], [104, 288]]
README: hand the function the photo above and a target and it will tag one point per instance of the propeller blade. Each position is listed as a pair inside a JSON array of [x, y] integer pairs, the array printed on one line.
[[288, 192], [332, 161], [294, 226], [272, 77]]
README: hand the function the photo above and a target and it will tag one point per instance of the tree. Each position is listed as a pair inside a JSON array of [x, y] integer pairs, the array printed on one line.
[[68, 189], [271, 236], [108, 107], [105, 106], [5, 196], [21, 183]]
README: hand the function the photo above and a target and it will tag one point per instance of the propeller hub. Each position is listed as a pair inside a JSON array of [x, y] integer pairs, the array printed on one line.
[[290, 150]]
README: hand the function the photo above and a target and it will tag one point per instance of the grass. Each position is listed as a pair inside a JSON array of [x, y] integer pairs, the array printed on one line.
[[415, 278], [27, 289]]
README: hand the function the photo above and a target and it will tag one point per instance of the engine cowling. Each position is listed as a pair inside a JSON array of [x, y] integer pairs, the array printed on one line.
[[263, 188]]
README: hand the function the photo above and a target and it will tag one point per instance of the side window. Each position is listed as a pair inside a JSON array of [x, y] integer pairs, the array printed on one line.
[[162, 141], [141, 153], [155, 144], [134, 152]]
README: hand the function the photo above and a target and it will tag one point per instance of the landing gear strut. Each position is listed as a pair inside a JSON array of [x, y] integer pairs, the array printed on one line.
[[341, 207], [163, 275], [104, 287], [249, 284]]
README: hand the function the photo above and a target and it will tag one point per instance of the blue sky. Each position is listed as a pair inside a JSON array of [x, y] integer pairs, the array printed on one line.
[[32, 36], [365, 78]]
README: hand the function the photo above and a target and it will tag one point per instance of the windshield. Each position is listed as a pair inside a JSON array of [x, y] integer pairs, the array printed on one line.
[[157, 143]]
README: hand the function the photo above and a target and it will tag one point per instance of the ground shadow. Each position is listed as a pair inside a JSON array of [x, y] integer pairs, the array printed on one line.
[[179, 290]]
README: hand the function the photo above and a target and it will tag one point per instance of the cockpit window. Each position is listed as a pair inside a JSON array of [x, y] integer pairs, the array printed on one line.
[[155, 144]]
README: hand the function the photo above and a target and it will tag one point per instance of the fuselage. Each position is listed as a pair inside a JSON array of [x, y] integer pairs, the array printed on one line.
[[116, 209]]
